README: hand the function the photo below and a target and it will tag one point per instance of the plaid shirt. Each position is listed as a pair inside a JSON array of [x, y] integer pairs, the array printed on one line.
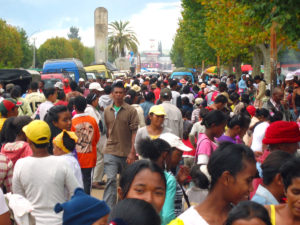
[[6, 172]]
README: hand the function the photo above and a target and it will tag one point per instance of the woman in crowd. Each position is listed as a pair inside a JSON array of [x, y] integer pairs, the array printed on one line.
[[155, 128], [144, 180], [237, 128], [214, 122], [289, 213], [231, 169], [91, 109], [248, 213], [14, 140], [134, 212], [58, 119], [132, 99]]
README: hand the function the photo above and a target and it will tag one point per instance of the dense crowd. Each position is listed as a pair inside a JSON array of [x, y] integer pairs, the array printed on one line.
[[222, 150]]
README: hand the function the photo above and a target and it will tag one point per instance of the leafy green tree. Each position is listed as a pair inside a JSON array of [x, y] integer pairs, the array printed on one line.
[[11, 54], [74, 33], [121, 38], [78, 49], [177, 51], [26, 49], [88, 55], [55, 48]]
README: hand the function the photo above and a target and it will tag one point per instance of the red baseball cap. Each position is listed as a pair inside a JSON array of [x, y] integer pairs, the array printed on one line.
[[8, 104], [66, 80]]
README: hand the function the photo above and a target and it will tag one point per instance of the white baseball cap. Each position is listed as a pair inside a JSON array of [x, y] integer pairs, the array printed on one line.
[[95, 86], [59, 85], [81, 79], [175, 142], [289, 77]]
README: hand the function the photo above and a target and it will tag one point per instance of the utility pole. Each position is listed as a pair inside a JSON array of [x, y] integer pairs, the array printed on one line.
[[33, 58]]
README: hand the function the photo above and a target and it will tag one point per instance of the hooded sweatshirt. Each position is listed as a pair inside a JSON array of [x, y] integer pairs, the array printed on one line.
[[105, 101], [16, 150]]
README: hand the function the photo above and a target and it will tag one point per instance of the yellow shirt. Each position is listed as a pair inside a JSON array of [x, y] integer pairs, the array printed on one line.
[[2, 120]]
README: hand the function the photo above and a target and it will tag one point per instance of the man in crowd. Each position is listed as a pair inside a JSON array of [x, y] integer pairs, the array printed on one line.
[[67, 87], [173, 119], [34, 98], [42, 179], [122, 123]]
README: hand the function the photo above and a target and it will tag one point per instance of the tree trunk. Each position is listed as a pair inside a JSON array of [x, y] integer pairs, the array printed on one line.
[[267, 64], [256, 61], [237, 64]]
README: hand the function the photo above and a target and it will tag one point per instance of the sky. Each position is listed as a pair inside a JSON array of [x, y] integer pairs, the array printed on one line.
[[43, 19]]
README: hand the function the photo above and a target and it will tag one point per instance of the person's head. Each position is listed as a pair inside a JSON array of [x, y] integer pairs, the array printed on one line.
[[66, 82], [239, 124], [9, 108], [234, 97], [220, 102], [80, 104], [64, 143], [262, 114], [222, 87], [177, 146], [83, 209], [150, 97], [118, 92], [61, 95], [12, 129], [199, 178], [279, 71], [60, 117], [271, 170], [34, 86], [257, 79], [16, 92], [96, 88], [144, 180], [232, 168], [38, 136], [134, 212], [268, 93], [185, 101], [92, 99], [186, 89], [282, 135], [173, 85], [245, 99], [131, 97], [215, 121], [165, 94], [157, 115], [203, 113], [73, 85], [248, 213], [107, 89], [277, 95], [50, 94], [290, 173], [41, 84]]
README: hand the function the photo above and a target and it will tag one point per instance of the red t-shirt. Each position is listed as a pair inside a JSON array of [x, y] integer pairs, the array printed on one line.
[[190, 153], [156, 93], [87, 131], [67, 89]]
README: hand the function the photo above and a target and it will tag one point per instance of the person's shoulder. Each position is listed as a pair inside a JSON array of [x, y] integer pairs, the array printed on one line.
[[190, 216]]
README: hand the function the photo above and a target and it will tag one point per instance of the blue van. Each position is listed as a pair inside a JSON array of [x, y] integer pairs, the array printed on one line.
[[180, 75], [71, 66]]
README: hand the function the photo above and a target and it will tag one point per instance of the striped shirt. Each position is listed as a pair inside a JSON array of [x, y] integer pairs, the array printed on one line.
[[6, 172]]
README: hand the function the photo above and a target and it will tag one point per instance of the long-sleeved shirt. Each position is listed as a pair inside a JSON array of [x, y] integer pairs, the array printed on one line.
[[6, 172], [173, 119]]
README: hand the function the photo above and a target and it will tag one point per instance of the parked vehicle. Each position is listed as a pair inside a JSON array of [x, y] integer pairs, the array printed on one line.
[[180, 75], [19, 77], [71, 66], [52, 78], [99, 70]]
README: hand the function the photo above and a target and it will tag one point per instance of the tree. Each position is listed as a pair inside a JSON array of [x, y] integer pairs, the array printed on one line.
[[177, 51], [78, 49], [11, 54], [88, 55], [26, 49], [55, 48], [74, 33], [121, 39]]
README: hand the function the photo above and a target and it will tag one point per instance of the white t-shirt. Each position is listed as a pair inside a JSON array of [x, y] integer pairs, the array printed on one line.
[[42, 181], [258, 136], [43, 109], [175, 95], [190, 96], [192, 217], [3, 206]]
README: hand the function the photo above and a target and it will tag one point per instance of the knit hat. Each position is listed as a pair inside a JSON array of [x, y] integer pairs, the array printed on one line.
[[251, 110], [82, 209], [282, 132], [59, 140]]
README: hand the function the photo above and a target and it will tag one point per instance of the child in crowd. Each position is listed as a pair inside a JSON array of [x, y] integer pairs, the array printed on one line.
[[83, 209], [51, 96]]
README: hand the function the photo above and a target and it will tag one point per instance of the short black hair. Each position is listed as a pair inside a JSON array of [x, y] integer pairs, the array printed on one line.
[[90, 98], [186, 89], [242, 120], [107, 89], [214, 117], [118, 85], [221, 99], [49, 91], [149, 96], [271, 165], [152, 149], [16, 91], [173, 83], [61, 95], [73, 85], [289, 171], [234, 96], [248, 210], [257, 77], [34, 86], [80, 103]]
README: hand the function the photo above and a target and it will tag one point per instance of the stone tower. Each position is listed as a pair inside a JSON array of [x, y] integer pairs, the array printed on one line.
[[101, 34]]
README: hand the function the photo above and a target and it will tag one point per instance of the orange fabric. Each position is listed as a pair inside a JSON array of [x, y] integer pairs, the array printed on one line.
[[87, 131]]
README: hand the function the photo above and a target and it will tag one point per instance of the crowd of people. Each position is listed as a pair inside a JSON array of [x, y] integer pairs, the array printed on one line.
[[222, 150]]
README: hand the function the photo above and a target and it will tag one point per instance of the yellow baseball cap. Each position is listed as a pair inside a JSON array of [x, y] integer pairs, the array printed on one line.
[[157, 110], [59, 142], [38, 131]]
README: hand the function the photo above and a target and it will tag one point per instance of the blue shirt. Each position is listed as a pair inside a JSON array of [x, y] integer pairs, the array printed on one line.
[[264, 197], [146, 107]]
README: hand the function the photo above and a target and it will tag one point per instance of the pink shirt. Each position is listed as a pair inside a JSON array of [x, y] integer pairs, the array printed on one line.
[[205, 146], [16, 150]]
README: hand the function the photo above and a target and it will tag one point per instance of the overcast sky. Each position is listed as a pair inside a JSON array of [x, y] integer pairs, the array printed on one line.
[[43, 19]]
